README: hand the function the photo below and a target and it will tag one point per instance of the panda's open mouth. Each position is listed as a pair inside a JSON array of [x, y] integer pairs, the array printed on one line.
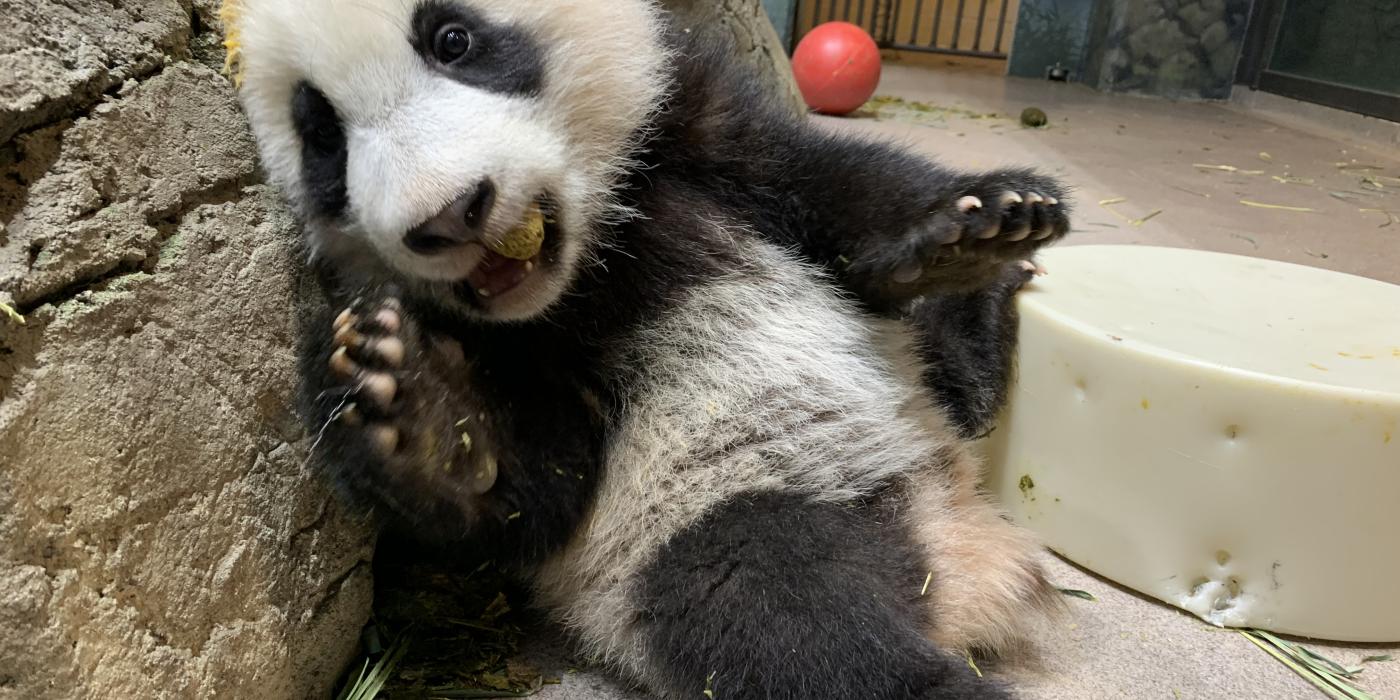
[[508, 264]]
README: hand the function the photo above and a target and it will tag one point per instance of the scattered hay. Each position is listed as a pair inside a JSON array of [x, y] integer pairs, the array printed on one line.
[[973, 664], [1183, 189], [883, 107], [1108, 204], [1279, 207], [1150, 216], [1330, 677], [1247, 239], [1075, 593], [1226, 169], [1391, 217], [466, 636], [370, 681]]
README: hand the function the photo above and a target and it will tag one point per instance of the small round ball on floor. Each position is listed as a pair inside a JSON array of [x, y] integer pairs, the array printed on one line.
[[837, 66]]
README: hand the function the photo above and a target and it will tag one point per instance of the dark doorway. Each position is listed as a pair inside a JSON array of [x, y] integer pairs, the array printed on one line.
[[961, 27], [1339, 53]]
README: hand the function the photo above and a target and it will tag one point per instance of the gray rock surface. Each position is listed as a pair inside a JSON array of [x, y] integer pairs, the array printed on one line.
[[746, 24], [57, 57], [160, 534], [1174, 48]]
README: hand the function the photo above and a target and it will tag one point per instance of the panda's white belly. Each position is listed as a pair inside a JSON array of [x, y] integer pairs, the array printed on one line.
[[754, 383]]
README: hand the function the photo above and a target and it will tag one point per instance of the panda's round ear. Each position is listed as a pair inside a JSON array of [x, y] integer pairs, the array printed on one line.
[[231, 15]]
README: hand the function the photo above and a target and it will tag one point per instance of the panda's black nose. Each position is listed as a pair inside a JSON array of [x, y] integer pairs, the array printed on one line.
[[461, 222]]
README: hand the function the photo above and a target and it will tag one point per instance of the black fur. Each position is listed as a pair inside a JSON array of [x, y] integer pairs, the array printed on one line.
[[775, 596], [523, 391], [828, 581], [968, 344], [323, 151], [501, 59], [862, 209]]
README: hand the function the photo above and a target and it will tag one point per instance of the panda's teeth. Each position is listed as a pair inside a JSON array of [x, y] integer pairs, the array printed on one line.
[[496, 275]]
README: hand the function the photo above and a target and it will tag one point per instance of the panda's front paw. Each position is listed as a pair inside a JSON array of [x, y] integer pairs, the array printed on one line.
[[969, 236], [406, 400], [996, 219], [367, 357]]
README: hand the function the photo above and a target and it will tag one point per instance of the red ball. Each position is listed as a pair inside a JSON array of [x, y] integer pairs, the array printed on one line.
[[837, 66]]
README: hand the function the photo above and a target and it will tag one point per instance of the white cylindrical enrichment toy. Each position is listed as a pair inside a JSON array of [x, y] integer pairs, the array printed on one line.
[[1218, 432]]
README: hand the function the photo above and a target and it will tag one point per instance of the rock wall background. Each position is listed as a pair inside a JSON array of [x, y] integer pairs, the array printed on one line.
[[746, 24], [159, 533], [1173, 48]]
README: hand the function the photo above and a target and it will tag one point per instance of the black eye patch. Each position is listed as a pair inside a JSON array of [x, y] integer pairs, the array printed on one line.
[[323, 151], [493, 57]]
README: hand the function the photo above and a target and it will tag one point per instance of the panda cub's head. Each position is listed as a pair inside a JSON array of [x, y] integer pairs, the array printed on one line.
[[410, 134]]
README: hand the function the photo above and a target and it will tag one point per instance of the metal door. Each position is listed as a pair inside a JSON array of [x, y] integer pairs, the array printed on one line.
[[1339, 53], [959, 27]]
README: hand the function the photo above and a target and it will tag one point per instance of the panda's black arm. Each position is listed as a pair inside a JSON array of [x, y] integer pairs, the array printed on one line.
[[355, 426], [504, 465], [890, 224]]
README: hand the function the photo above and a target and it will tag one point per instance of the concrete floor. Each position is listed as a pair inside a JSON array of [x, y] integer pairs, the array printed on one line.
[[1145, 151]]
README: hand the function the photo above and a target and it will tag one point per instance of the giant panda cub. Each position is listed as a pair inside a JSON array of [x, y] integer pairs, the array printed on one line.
[[700, 371]]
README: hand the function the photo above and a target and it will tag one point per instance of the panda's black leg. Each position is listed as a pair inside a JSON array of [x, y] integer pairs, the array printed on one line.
[[775, 596], [397, 426], [968, 343]]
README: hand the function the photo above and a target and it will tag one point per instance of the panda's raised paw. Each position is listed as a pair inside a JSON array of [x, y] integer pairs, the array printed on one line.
[[404, 397], [367, 357], [962, 243], [994, 218]]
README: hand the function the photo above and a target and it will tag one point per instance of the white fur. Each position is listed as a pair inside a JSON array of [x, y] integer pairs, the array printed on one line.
[[769, 384], [418, 140]]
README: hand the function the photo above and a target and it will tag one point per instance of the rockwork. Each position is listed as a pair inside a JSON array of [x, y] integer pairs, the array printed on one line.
[[160, 534]]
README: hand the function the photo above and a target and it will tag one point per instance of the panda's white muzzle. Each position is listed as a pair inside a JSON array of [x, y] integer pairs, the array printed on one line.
[[459, 223]]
